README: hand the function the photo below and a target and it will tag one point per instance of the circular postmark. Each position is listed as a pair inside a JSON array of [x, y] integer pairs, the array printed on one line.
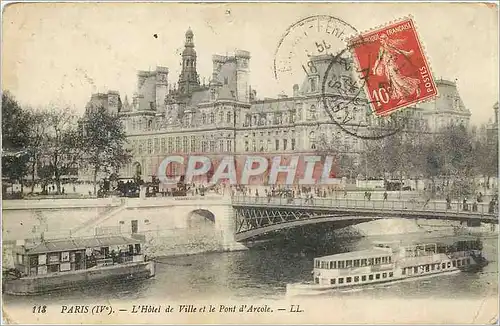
[[316, 47]]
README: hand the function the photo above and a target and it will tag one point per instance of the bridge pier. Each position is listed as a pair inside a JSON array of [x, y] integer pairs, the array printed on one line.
[[225, 224]]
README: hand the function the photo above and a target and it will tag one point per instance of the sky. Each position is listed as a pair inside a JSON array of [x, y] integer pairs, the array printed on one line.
[[60, 53]]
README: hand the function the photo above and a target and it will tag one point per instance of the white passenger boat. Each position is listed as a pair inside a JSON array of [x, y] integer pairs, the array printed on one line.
[[390, 262]]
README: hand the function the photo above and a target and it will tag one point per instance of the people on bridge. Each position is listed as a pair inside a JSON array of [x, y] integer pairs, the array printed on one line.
[[465, 207], [474, 207], [448, 202]]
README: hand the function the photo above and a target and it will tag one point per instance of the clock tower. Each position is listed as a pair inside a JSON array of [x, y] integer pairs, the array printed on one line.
[[188, 79]]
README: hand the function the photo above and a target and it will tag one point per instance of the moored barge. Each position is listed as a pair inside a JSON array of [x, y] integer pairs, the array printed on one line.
[[57, 264]]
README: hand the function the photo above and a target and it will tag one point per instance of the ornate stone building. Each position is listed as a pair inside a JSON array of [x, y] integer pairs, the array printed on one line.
[[226, 117]]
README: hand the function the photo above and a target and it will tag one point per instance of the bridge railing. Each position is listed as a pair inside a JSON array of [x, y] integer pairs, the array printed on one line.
[[374, 205]]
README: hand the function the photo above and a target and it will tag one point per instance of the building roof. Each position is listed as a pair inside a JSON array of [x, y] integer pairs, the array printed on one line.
[[58, 245], [199, 96], [362, 254]]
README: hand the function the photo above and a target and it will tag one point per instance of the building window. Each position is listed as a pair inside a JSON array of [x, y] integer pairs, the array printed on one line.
[[204, 146], [313, 84], [203, 119], [156, 145], [316, 280], [254, 147], [454, 263], [348, 279], [390, 274], [221, 145], [212, 118], [150, 146], [170, 145], [312, 140], [377, 276], [363, 278], [277, 144], [370, 277], [384, 275], [261, 146], [356, 278], [177, 144], [193, 144], [221, 116], [162, 145], [341, 280], [403, 272], [246, 145], [332, 281], [228, 117], [185, 144], [229, 145], [292, 144], [285, 143]]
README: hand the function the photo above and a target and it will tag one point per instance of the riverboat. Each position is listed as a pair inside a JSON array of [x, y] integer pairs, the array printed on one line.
[[390, 262], [50, 265]]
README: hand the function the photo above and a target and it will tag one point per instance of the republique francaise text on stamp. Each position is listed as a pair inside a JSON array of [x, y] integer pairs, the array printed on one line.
[[394, 60]]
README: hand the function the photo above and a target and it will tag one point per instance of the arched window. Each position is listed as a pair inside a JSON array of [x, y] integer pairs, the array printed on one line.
[[312, 112], [150, 123], [312, 139]]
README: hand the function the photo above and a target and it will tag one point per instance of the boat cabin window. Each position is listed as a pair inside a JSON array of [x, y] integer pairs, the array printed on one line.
[[341, 264], [384, 275], [356, 263], [348, 279], [363, 278], [370, 261], [341, 280], [348, 263], [377, 276], [363, 262], [356, 278], [377, 261], [370, 277], [332, 281]]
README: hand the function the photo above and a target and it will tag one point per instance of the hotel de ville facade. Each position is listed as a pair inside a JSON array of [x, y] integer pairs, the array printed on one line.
[[225, 116]]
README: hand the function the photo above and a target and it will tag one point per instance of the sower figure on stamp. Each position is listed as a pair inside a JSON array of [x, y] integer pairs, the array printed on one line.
[[401, 86]]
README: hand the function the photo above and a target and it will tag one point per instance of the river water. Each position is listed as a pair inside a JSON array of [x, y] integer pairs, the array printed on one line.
[[263, 272]]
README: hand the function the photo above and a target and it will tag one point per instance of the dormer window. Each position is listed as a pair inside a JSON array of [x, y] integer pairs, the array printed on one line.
[[313, 84]]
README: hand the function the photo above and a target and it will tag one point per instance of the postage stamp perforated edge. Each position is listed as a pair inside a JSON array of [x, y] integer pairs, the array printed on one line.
[[425, 57]]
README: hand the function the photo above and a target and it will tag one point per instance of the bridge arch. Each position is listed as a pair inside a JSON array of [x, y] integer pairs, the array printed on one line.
[[199, 217]]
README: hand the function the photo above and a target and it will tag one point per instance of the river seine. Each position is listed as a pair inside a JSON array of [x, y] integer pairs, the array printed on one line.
[[262, 273]]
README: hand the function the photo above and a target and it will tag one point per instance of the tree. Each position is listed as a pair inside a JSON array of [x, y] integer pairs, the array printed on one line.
[[38, 122], [15, 137], [104, 142], [62, 147]]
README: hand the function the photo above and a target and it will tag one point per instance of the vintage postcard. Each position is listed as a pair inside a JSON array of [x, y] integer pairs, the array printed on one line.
[[250, 163]]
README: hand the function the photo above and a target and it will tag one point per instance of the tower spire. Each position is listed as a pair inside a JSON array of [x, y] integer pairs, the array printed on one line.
[[188, 79]]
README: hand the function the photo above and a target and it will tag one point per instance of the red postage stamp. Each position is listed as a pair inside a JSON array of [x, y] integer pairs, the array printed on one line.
[[393, 66]]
